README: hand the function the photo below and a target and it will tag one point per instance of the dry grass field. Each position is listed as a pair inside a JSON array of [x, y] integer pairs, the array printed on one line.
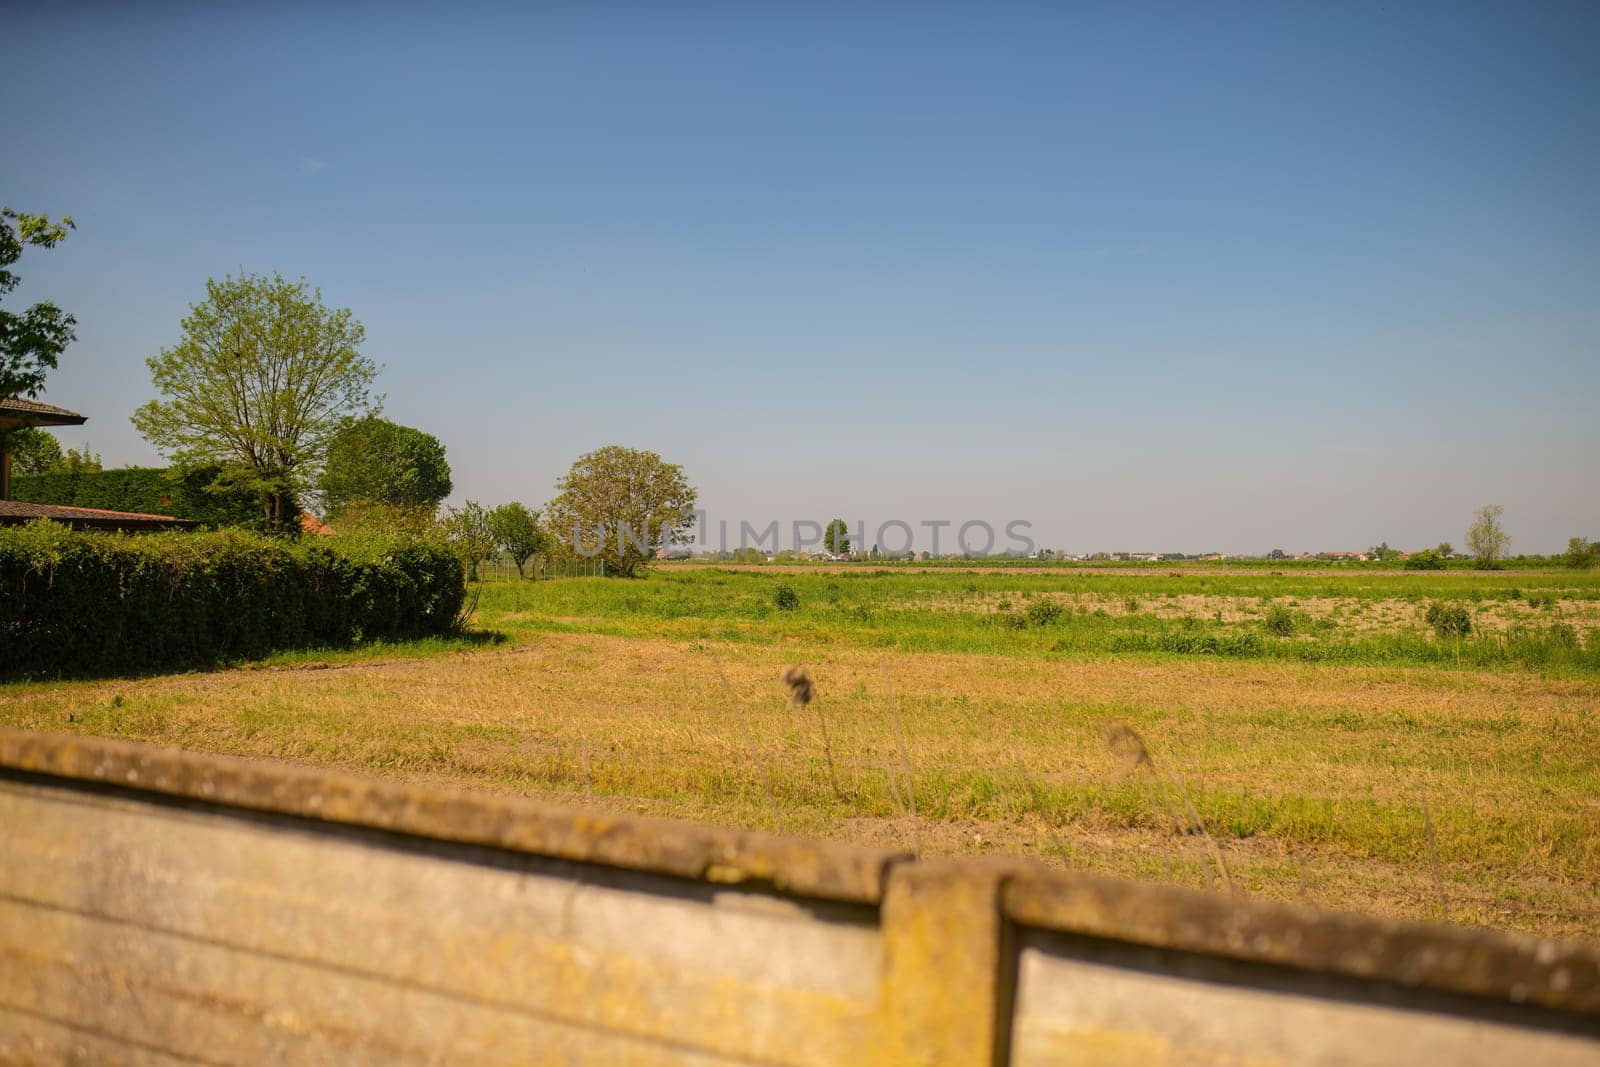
[[1400, 784]]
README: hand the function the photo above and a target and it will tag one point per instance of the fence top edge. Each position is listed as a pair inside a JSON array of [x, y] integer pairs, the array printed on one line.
[[1471, 961], [819, 869]]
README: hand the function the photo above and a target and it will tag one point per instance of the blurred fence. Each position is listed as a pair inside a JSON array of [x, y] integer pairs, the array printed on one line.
[[540, 567], [162, 907]]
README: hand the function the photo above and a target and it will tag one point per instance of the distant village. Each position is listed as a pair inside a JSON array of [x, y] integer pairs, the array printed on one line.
[[757, 555]]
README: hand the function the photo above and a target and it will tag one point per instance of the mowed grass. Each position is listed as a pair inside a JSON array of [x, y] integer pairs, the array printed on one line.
[[950, 732]]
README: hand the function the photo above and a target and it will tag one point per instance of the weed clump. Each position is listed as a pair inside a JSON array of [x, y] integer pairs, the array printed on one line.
[[785, 598], [1279, 621], [1564, 636], [1449, 618], [1043, 612]]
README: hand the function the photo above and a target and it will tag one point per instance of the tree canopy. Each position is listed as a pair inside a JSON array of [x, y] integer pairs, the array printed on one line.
[[33, 451], [836, 538], [620, 505], [263, 377], [1582, 553], [31, 341], [516, 533], [466, 530], [375, 461], [1486, 538]]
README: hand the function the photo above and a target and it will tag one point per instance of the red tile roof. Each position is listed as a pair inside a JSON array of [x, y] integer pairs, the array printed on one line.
[[37, 412], [13, 512]]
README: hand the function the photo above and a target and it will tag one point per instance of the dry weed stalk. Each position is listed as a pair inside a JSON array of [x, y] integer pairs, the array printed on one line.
[[749, 742], [1125, 742], [905, 766], [801, 693], [1433, 860]]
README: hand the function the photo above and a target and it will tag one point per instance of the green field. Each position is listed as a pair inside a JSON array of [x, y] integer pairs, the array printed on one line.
[[1542, 619], [1304, 736]]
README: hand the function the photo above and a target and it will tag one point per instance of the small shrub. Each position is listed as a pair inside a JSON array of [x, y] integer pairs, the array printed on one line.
[[1279, 621], [1043, 612], [1449, 618], [785, 598], [1563, 635], [1244, 643], [1426, 560], [1131, 605]]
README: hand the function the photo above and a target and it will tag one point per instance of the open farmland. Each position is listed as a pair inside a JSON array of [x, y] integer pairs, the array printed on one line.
[[1306, 736]]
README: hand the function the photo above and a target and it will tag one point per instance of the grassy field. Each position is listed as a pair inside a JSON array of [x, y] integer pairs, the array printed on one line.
[[1305, 736]]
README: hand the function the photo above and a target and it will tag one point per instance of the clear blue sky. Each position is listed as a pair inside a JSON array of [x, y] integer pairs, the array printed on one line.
[[1151, 276]]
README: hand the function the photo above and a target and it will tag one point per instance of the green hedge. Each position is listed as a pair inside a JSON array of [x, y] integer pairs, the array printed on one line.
[[80, 603], [180, 492]]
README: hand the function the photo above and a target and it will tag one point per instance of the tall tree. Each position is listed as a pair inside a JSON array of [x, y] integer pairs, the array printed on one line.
[[621, 505], [262, 378], [1486, 538], [31, 340], [836, 538], [517, 533], [466, 530], [375, 461], [1582, 553], [33, 451]]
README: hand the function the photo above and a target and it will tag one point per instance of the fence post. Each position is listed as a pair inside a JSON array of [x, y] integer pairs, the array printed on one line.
[[949, 975]]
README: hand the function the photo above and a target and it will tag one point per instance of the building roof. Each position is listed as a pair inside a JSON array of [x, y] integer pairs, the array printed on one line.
[[17, 409], [16, 512]]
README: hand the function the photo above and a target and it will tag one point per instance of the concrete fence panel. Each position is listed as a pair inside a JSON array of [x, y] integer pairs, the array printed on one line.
[[168, 907]]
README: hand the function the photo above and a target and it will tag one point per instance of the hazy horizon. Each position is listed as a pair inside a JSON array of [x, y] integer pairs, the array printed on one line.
[[1162, 279]]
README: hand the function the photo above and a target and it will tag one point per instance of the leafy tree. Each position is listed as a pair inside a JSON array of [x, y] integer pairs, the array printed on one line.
[[1582, 553], [621, 504], [75, 462], [836, 538], [1486, 538], [374, 519], [516, 531], [1445, 549], [33, 451], [466, 530], [31, 340], [263, 377], [1383, 551], [373, 460]]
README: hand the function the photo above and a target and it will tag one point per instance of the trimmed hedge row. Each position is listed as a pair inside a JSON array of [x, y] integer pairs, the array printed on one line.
[[77, 603], [184, 493]]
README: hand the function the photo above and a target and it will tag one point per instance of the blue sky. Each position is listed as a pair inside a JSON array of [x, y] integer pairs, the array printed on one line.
[[1176, 277]]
